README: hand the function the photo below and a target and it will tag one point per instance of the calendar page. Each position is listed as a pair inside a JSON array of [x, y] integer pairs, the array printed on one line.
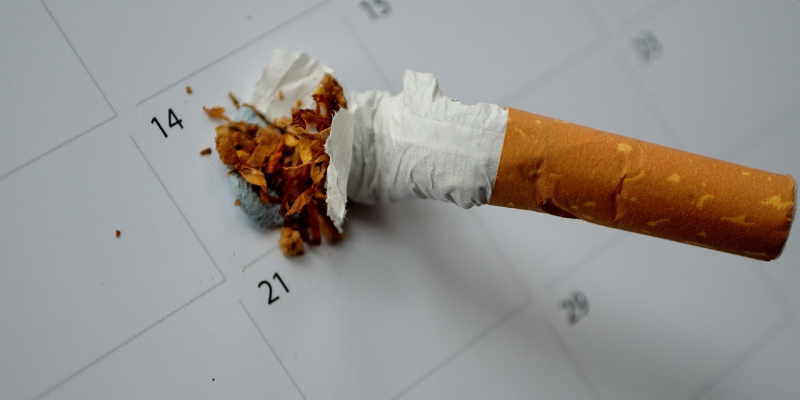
[[128, 272]]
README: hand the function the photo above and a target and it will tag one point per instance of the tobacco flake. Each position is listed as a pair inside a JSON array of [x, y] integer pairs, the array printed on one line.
[[290, 242], [254, 176], [234, 100], [216, 112]]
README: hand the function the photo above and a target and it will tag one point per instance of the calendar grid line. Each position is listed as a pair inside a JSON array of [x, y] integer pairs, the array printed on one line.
[[274, 354], [232, 52], [105, 355], [768, 336], [80, 59], [56, 148], [480, 336]]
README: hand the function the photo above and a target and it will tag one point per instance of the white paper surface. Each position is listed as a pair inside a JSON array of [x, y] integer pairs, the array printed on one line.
[[422, 300]]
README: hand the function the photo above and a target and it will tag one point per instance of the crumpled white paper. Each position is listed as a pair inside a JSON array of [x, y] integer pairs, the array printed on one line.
[[419, 143], [295, 74], [340, 151]]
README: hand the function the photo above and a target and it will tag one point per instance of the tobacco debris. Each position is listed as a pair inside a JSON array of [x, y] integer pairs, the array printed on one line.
[[205, 151], [234, 100], [117, 233], [290, 242], [188, 89], [286, 163], [216, 112]]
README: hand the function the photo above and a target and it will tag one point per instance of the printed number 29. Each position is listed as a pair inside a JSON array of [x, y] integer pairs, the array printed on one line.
[[376, 8], [271, 299], [577, 306]]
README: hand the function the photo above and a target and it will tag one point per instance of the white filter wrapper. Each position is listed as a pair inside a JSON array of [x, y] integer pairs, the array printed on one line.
[[419, 143]]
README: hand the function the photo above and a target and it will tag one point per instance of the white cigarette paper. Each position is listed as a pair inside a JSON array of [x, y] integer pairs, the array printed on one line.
[[419, 143]]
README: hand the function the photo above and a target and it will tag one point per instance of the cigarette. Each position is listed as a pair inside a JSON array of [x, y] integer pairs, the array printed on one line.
[[572, 171], [421, 143]]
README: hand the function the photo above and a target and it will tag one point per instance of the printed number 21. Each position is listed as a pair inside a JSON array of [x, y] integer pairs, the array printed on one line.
[[271, 299], [376, 8], [172, 119]]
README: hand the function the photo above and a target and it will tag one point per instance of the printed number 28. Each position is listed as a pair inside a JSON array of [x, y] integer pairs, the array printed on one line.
[[376, 8], [577, 306], [271, 299]]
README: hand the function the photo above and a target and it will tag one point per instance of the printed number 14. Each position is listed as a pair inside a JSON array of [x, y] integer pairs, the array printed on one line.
[[172, 119]]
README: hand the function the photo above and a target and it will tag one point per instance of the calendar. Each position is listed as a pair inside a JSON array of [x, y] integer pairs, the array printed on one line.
[[128, 272]]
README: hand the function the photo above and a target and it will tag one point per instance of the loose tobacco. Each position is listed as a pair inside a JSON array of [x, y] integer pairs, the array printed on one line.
[[285, 161]]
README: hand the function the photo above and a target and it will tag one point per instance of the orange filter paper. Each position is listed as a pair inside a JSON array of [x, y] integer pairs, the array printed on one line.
[[572, 171]]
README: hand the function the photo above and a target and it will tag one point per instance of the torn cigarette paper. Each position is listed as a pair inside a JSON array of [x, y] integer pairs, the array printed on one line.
[[295, 75], [419, 143]]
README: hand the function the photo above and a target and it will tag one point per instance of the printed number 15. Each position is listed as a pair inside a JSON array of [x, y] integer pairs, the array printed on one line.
[[376, 8]]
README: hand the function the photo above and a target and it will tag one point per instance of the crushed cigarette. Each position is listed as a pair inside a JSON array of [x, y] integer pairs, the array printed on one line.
[[421, 143]]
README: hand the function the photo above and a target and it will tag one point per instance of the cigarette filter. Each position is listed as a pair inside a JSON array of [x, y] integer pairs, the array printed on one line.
[[572, 171]]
